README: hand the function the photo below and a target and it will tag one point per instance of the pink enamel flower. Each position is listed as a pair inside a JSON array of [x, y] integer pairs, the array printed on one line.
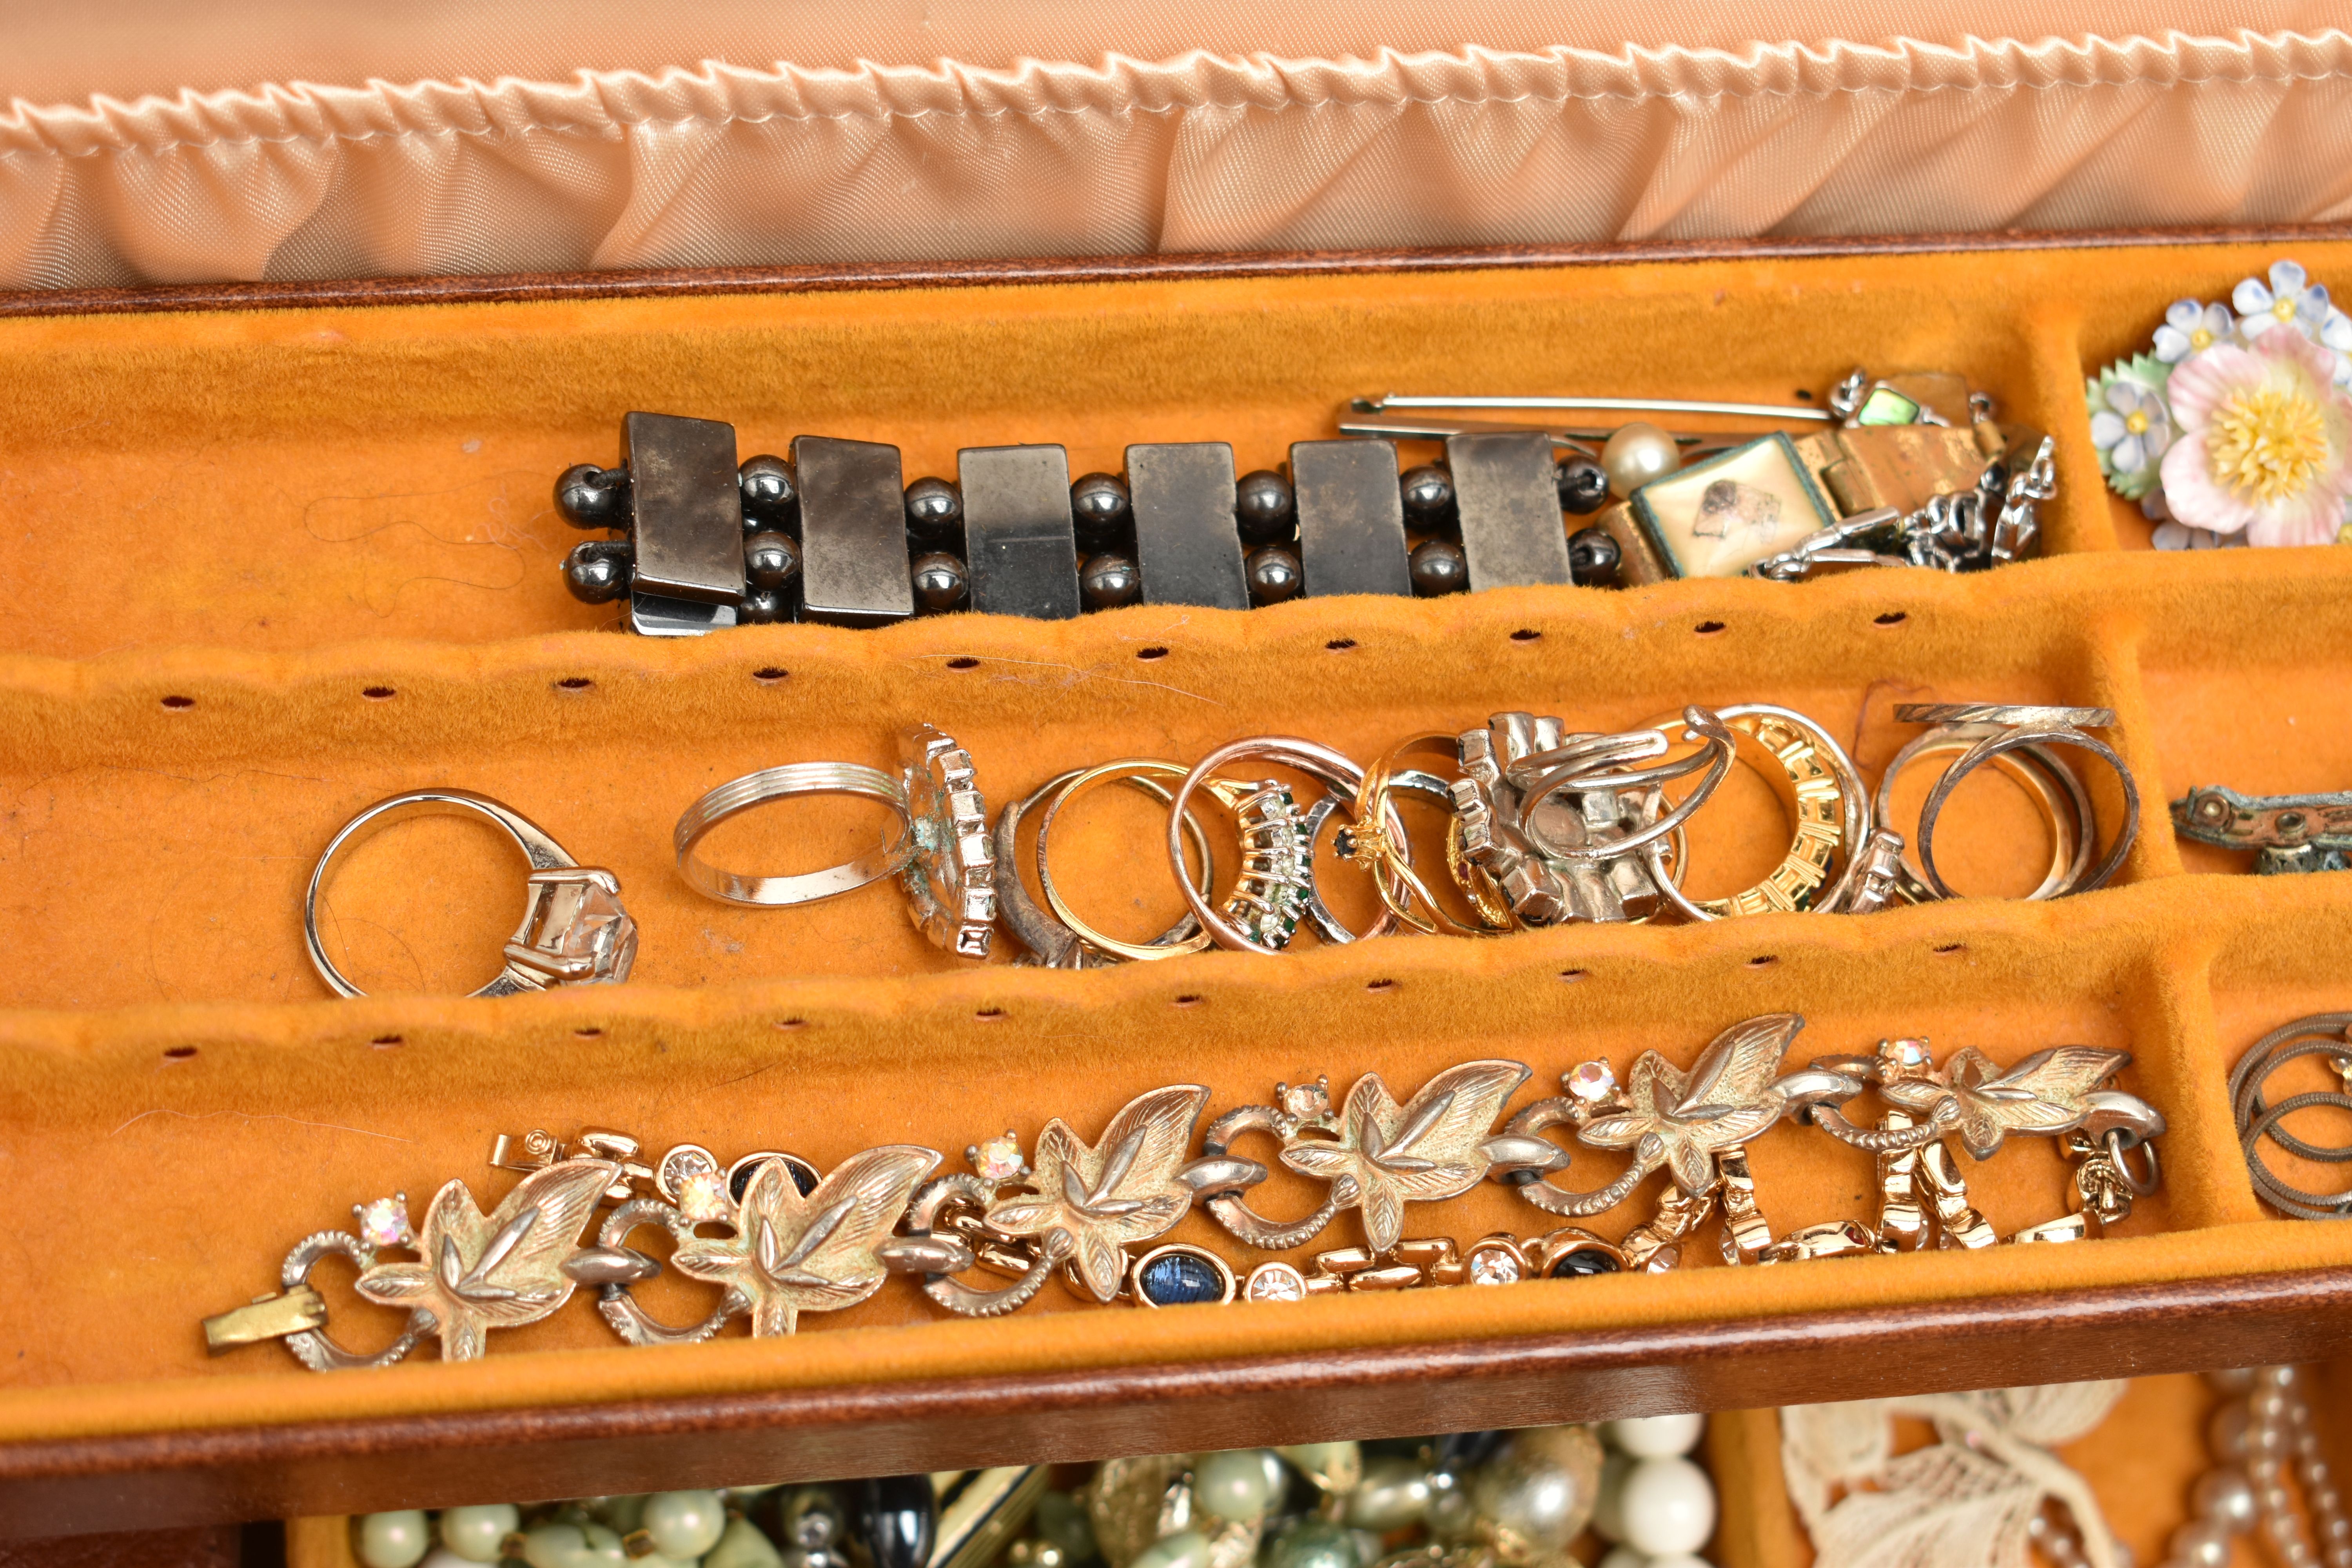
[[2266, 442]]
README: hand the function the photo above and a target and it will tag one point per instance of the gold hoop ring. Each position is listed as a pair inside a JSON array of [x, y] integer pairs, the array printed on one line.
[[1135, 771], [1823, 794]]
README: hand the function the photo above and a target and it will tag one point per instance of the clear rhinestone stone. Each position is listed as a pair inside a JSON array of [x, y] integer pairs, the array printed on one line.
[[703, 1197], [1275, 1282], [1590, 1082], [385, 1223], [1496, 1266], [999, 1159], [1909, 1056]]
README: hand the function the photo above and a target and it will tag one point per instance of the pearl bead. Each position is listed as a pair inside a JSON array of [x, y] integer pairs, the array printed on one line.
[[2202, 1543], [396, 1540], [1187, 1549], [741, 1546], [2225, 1497], [1624, 1557], [475, 1533], [1312, 1543], [624, 1512], [554, 1546], [2315, 1472], [1536, 1494], [1231, 1485], [2226, 1437], [2325, 1499], [1669, 1507], [2237, 1380], [1637, 454], [1395, 1493], [1655, 1436], [684, 1524], [1685, 1560], [1609, 1498], [442, 1557]]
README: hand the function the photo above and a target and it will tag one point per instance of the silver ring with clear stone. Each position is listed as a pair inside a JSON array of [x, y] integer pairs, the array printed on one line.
[[574, 930]]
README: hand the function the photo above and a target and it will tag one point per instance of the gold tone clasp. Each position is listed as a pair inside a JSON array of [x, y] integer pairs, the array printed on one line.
[[296, 1312]]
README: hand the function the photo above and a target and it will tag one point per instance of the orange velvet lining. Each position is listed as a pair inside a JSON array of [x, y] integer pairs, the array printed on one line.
[[164, 1051]]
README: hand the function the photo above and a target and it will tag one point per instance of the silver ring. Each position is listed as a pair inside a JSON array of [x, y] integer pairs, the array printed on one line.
[[574, 930], [1996, 729], [739, 795]]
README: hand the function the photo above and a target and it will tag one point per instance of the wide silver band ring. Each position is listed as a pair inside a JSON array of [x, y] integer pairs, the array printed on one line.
[[538, 957], [739, 795]]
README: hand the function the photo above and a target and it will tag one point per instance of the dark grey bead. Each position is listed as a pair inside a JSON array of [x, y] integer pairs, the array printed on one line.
[[934, 513], [1110, 581], [1439, 567], [590, 497], [895, 1519], [939, 580], [771, 559], [1428, 497], [1100, 512], [761, 608], [1274, 575], [1583, 484], [598, 572], [1594, 557], [1265, 509], [772, 495]]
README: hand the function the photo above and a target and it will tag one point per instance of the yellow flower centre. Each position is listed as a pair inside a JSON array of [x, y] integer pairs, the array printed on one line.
[[2136, 424], [2283, 309], [2267, 443], [2201, 339]]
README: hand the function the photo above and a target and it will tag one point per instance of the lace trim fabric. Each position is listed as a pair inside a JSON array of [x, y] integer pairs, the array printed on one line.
[[725, 165]]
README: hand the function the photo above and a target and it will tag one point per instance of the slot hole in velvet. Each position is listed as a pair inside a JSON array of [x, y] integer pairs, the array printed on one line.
[[180, 1053], [179, 704], [1150, 653], [1891, 618], [963, 664], [1379, 985], [379, 693], [988, 1015], [770, 675], [590, 1033], [575, 683], [1524, 635], [1708, 628], [386, 1042], [1762, 961], [1339, 645], [1947, 948], [1571, 975], [1188, 1001], [791, 1023]]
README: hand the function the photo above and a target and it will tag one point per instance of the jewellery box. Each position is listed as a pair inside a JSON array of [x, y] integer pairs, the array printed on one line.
[[283, 549]]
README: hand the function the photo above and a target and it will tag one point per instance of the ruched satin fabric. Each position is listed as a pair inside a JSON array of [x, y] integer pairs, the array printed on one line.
[[705, 164]]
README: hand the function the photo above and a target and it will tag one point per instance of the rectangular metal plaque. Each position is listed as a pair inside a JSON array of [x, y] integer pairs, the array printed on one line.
[[1350, 518], [1186, 547], [686, 512], [1017, 533], [1508, 500], [853, 532]]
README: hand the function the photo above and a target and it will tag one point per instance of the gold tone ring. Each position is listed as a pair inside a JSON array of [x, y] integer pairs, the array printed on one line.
[[1391, 864], [1823, 795], [1134, 771], [2043, 778]]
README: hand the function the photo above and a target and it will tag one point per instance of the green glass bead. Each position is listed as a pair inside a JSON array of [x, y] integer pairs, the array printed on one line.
[[395, 1540], [1062, 1520], [555, 1546], [684, 1524], [476, 1532], [602, 1548], [1312, 1543], [1231, 1485], [1395, 1494], [742, 1546], [1185, 1549]]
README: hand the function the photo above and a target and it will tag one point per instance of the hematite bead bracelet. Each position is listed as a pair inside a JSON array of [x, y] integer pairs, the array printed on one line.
[[1095, 1214]]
